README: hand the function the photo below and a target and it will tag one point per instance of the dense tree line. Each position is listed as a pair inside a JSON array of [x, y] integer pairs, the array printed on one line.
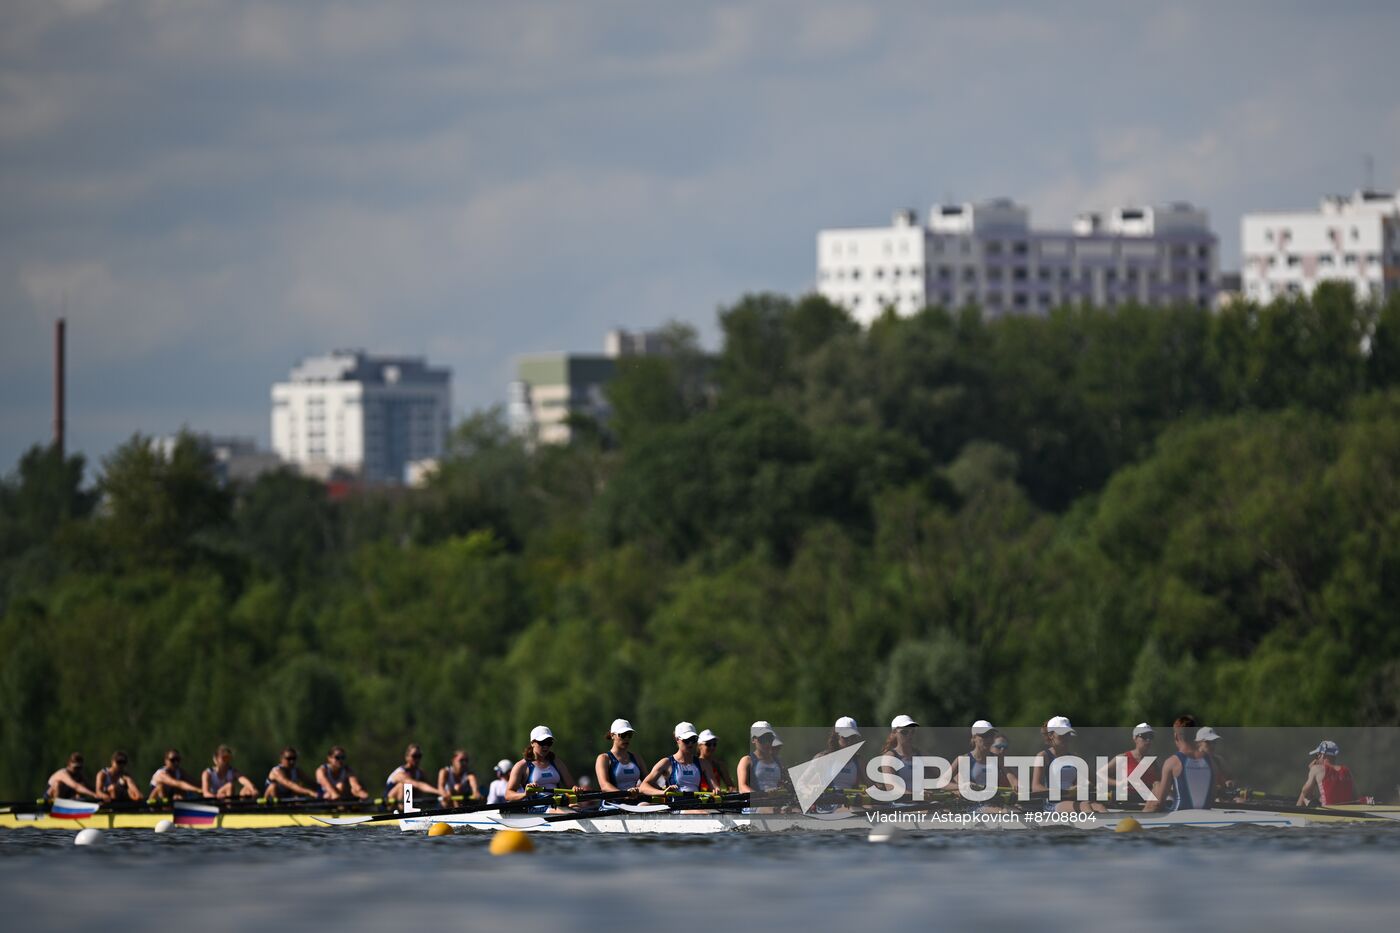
[[1109, 514]]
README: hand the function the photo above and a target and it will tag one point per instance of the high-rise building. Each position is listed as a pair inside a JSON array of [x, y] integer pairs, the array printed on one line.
[[987, 254], [370, 416], [1352, 239], [550, 387]]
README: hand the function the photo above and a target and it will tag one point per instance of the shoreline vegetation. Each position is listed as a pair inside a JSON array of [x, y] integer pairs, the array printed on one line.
[[1114, 515]]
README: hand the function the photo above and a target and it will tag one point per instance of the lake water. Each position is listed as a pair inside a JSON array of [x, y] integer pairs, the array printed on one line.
[[1326, 878]]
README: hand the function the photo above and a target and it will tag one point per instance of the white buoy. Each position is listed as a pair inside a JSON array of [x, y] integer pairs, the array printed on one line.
[[883, 832], [87, 837], [164, 826]]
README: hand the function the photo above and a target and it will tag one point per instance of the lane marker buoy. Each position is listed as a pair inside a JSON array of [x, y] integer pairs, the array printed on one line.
[[440, 829], [1127, 825], [164, 826], [87, 837], [511, 842]]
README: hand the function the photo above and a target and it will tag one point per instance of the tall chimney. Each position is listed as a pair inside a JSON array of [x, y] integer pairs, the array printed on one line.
[[59, 332]]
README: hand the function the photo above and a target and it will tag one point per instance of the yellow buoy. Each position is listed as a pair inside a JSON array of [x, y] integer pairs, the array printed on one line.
[[1127, 825], [511, 841], [440, 829]]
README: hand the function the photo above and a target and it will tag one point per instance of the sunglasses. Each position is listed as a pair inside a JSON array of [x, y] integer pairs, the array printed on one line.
[[626, 736], [289, 757], [999, 748], [416, 755], [337, 757], [173, 759], [546, 743], [690, 741]]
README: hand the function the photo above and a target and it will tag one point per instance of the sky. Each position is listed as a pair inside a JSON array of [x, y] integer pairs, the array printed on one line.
[[210, 191]]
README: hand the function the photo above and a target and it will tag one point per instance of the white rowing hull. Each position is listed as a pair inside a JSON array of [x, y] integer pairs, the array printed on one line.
[[710, 823]]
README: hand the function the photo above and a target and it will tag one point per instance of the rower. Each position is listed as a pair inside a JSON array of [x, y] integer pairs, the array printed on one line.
[[618, 768], [1222, 773], [899, 745], [1006, 777], [1188, 774], [707, 747], [1116, 771], [974, 764], [410, 772], [170, 780], [761, 770], [70, 780], [496, 793], [1328, 782], [1060, 731], [223, 779], [287, 780], [537, 769], [685, 770], [337, 780], [844, 734], [457, 780], [115, 783]]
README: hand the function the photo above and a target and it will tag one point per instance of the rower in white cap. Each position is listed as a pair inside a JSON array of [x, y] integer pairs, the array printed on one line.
[[496, 793], [1060, 731], [682, 771], [973, 765], [761, 770], [618, 768], [537, 769], [1116, 772], [900, 746], [845, 733]]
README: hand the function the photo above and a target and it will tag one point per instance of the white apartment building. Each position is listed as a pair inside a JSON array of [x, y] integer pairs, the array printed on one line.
[[1348, 239], [367, 415], [987, 254]]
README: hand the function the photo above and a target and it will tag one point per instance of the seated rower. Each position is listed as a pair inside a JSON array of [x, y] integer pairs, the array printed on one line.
[[457, 780], [1116, 771], [707, 746], [286, 780], [1188, 776], [973, 765], [761, 770], [538, 770], [170, 780], [1224, 783], [900, 749], [496, 793], [336, 780], [617, 768], [409, 772], [683, 771], [114, 783], [223, 779], [1328, 783], [1060, 731], [69, 781]]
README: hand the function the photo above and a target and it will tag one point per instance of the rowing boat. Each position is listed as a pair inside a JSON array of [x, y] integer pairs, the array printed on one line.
[[233, 819], [720, 822]]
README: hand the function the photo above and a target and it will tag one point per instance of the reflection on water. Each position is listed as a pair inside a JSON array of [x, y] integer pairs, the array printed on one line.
[[1329, 877]]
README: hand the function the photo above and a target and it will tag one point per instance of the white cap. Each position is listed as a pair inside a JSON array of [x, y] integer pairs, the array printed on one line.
[[982, 727], [503, 766], [1206, 734], [900, 721], [1060, 726], [620, 726], [540, 733], [684, 730], [707, 736], [846, 727], [1326, 747], [764, 727], [1142, 728]]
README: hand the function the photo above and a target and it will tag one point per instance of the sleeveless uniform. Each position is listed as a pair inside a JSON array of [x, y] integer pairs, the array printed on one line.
[[416, 774], [336, 779], [686, 775], [1193, 785], [624, 775], [848, 778], [1336, 786], [458, 785], [112, 783], [216, 782], [1048, 754], [765, 775], [542, 775], [286, 773], [975, 770], [1150, 776], [178, 774]]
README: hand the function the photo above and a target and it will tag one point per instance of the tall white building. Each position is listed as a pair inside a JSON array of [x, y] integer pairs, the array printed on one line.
[[369, 415], [1349, 239], [987, 254]]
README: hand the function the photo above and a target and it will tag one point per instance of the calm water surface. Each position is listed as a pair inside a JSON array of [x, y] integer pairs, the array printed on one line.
[[1325, 878]]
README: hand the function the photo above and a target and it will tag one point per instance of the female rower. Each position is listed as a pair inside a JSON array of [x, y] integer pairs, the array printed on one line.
[[1006, 777], [707, 748], [844, 734], [496, 793], [410, 772], [70, 780], [456, 781], [973, 765], [115, 783], [761, 770], [618, 768], [900, 747], [537, 769], [1060, 732], [170, 781], [685, 770], [223, 779], [287, 780], [337, 780], [1115, 773]]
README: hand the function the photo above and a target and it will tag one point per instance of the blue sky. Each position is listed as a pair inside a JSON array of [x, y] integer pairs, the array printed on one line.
[[214, 189]]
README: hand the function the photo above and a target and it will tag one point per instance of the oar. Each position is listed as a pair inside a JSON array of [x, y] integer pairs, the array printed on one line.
[[723, 802], [541, 800]]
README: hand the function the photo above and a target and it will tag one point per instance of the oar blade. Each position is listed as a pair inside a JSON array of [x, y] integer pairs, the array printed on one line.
[[642, 807], [342, 820], [519, 822]]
